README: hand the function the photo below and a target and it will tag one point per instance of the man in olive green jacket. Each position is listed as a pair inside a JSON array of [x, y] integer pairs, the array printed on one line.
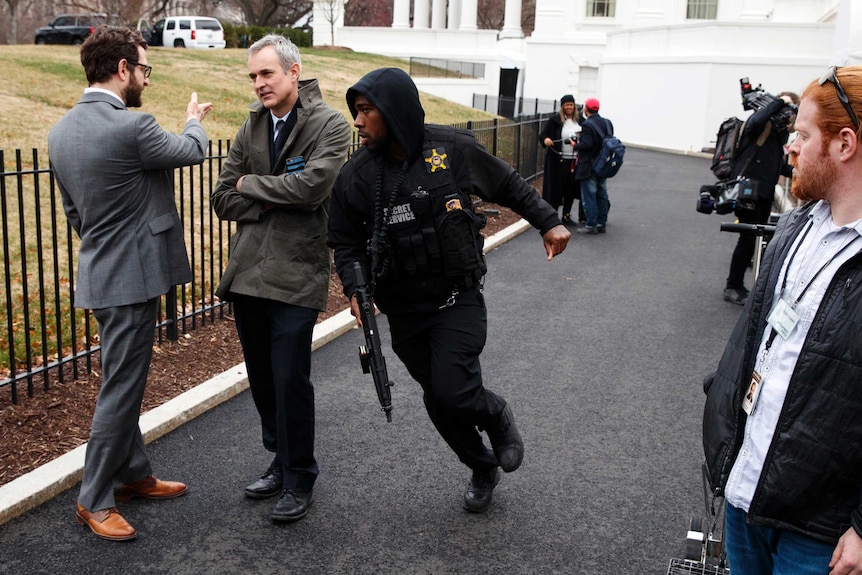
[[276, 184]]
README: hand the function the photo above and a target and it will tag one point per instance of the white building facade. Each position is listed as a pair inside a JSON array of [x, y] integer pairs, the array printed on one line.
[[666, 71]]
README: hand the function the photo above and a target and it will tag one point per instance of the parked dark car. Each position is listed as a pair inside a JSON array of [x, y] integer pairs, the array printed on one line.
[[70, 28]]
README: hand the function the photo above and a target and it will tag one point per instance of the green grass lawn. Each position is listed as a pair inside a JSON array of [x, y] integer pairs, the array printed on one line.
[[40, 83]]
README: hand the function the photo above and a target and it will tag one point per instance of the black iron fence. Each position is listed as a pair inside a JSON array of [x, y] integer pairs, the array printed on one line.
[[439, 68], [45, 339], [514, 107]]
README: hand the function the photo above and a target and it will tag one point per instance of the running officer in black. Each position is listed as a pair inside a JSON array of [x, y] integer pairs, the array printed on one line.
[[402, 207]]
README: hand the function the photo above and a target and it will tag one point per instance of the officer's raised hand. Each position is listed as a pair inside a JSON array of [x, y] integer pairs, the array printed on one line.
[[556, 239]]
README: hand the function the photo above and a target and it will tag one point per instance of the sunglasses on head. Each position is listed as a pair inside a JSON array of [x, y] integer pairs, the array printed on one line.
[[831, 75]]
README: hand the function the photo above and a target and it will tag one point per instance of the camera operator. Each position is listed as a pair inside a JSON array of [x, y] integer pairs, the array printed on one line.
[[761, 160]]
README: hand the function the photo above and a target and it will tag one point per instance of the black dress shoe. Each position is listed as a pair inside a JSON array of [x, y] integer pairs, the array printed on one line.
[[479, 492], [292, 506], [267, 486], [506, 441]]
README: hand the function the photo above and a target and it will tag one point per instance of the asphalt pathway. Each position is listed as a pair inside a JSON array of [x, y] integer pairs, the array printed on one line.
[[601, 354]]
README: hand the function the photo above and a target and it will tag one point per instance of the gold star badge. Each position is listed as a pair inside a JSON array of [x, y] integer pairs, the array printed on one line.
[[435, 160]]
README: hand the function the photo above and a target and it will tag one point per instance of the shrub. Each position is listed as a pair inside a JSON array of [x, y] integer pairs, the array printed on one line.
[[242, 36]]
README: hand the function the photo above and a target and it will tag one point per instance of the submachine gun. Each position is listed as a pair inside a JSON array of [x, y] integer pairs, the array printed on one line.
[[371, 354]]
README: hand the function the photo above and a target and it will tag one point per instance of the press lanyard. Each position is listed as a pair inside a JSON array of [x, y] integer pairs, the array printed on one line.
[[783, 317]]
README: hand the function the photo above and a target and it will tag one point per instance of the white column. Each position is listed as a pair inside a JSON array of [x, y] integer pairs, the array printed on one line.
[[421, 12], [438, 14], [847, 47], [512, 20], [454, 21], [551, 19], [469, 8], [401, 14]]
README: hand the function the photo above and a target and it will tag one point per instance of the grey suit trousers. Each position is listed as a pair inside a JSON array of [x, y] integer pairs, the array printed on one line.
[[115, 452]]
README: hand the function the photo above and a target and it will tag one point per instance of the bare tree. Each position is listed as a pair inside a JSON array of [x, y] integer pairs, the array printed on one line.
[[368, 13], [331, 10], [271, 12], [528, 17], [14, 7], [491, 15]]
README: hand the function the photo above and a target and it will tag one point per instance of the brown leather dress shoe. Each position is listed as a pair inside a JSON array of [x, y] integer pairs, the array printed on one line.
[[150, 488], [107, 523]]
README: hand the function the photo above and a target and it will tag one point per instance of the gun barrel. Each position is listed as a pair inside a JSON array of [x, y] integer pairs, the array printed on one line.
[[371, 355]]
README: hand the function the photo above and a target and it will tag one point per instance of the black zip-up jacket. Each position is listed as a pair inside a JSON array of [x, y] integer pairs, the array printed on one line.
[[812, 474], [460, 165]]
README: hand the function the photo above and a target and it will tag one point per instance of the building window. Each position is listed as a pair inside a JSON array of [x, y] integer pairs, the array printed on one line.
[[588, 83], [601, 8], [701, 9]]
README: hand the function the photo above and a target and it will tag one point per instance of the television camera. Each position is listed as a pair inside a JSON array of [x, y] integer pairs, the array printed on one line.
[[724, 197], [758, 98]]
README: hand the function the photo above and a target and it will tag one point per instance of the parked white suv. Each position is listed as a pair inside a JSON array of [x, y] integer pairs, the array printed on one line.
[[188, 32]]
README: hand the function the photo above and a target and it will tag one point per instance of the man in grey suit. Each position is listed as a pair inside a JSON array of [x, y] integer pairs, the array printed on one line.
[[113, 168]]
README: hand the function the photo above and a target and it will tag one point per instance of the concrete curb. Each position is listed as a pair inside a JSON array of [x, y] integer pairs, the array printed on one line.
[[34, 488]]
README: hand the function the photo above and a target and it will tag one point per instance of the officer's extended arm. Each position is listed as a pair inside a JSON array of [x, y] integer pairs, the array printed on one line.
[[371, 354], [556, 239]]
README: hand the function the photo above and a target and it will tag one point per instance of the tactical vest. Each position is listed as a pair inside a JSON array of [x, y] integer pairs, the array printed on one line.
[[433, 230]]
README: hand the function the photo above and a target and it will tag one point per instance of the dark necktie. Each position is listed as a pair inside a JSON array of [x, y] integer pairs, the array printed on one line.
[[278, 138]]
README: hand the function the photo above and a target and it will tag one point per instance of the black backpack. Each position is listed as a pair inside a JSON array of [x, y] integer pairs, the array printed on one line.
[[610, 157], [726, 147]]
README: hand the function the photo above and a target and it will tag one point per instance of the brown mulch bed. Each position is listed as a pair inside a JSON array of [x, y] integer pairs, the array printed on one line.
[[40, 428]]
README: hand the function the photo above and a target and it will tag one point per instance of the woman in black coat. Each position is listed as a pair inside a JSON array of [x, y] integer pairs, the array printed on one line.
[[560, 132]]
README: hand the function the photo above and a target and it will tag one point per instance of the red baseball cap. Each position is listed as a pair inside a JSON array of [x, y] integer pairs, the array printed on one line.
[[591, 104]]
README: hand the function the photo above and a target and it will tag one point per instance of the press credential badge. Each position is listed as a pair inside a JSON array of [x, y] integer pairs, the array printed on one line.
[[783, 318]]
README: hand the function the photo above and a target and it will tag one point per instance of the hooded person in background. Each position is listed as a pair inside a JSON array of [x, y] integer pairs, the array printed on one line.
[[402, 208]]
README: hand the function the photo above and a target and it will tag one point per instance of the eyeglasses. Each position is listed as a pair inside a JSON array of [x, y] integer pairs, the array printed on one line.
[[831, 76], [147, 69]]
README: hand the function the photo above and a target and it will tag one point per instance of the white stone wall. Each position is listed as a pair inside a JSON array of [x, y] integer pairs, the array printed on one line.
[[665, 81], [670, 87], [479, 46]]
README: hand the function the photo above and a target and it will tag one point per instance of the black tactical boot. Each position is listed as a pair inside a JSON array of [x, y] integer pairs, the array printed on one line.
[[479, 492], [506, 441]]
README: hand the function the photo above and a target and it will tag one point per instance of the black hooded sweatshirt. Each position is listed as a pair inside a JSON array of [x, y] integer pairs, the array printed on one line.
[[440, 160]]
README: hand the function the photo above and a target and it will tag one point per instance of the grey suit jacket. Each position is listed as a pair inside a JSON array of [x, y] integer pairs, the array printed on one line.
[[113, 170]]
